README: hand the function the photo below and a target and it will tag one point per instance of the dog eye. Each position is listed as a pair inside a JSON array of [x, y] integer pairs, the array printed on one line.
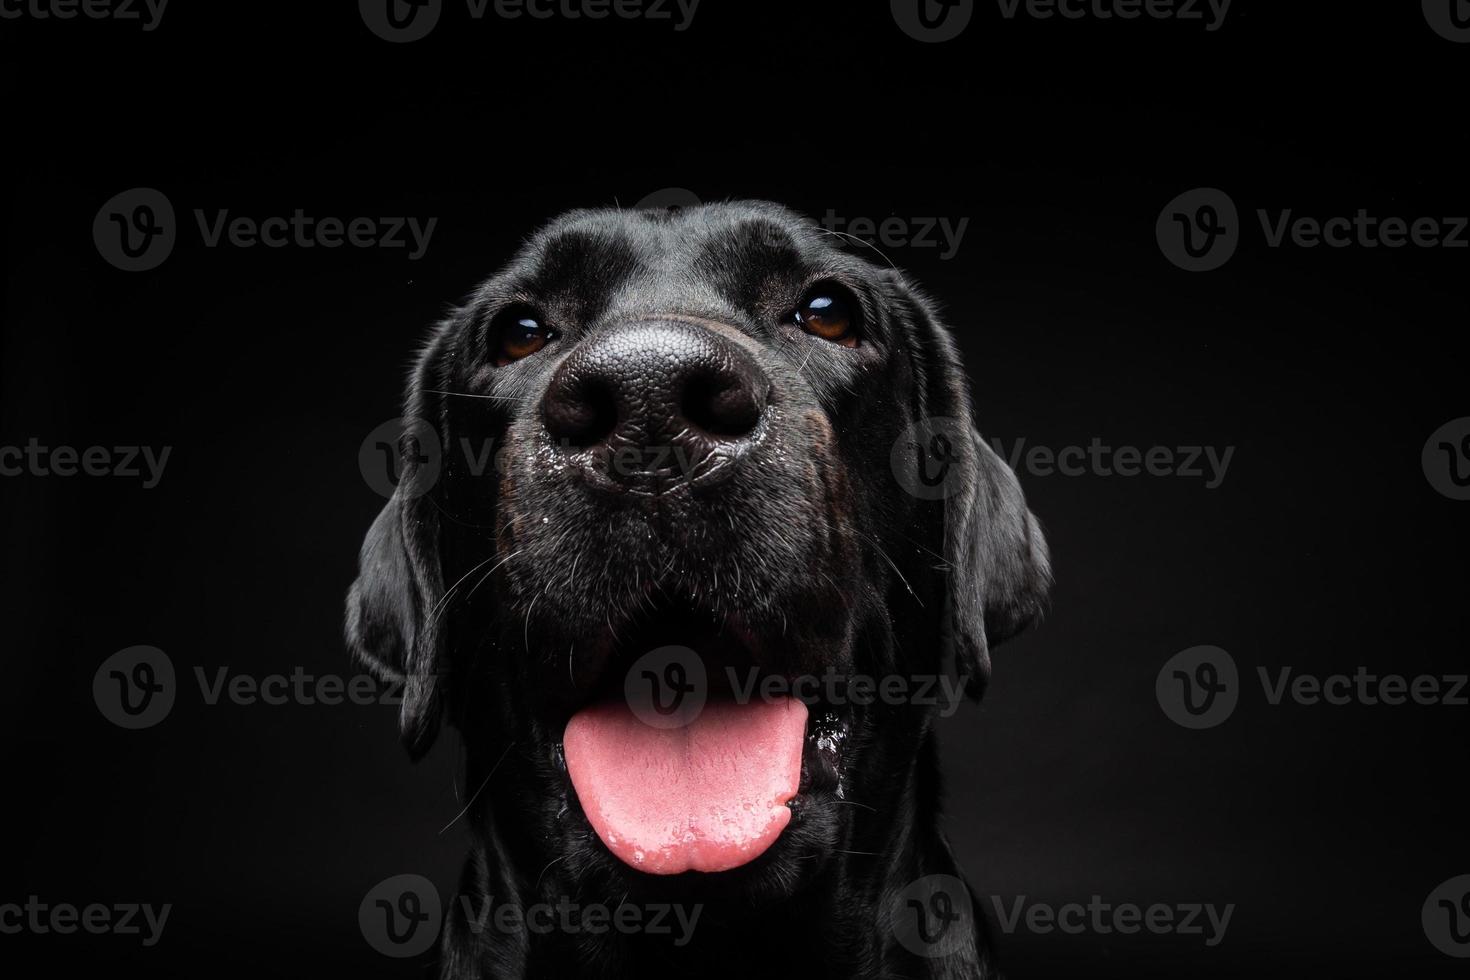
[[828, 312], [516, 333]]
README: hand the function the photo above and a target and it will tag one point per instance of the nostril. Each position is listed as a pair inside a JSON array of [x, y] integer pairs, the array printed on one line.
[[723, 405], [581, 412]]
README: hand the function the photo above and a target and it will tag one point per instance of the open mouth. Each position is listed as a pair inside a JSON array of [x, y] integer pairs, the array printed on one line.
[[692, 753]]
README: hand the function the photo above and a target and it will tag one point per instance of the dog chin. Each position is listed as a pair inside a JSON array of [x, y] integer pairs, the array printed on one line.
[[797, 857]]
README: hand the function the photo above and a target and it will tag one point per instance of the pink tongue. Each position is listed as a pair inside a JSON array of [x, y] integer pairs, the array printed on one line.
[[709, 796]]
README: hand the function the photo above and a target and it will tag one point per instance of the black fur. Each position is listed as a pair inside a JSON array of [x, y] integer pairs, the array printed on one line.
[[492, 594]]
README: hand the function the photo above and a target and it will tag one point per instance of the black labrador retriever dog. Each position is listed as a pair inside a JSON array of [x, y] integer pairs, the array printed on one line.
[[731, 464]]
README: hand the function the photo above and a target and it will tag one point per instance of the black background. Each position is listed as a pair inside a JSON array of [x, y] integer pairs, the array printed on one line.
[[1325, 548]]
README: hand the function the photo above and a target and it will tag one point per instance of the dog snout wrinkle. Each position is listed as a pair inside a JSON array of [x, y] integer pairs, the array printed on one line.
[[653, 404]]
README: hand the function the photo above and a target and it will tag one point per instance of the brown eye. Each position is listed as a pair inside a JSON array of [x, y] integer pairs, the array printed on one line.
[[829, 313], [516, 333]]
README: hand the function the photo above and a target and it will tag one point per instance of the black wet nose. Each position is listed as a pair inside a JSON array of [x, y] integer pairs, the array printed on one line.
[[656, 403]]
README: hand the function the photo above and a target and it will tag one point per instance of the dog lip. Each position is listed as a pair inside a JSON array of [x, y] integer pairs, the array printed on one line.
[[758, 649], [827, 729], [599, 672], [676, 475]]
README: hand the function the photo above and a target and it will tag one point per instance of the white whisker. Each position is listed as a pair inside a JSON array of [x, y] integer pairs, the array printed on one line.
[[466, 394], [480, 790]]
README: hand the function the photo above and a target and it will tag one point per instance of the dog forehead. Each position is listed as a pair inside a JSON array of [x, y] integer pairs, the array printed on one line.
[[699, 255]]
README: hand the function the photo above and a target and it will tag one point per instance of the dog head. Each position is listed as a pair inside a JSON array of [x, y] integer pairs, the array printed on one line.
[[706, 531]]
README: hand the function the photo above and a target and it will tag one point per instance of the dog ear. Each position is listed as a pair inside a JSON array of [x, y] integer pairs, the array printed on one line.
[[997, 570], [393, 624], [999, 567]]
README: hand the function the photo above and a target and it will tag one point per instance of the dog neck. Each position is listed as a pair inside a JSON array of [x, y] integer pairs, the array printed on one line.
[[515, 920]]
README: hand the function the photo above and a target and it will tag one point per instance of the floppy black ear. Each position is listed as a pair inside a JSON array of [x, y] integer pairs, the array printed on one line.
[[997, 569], [394, 624]]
